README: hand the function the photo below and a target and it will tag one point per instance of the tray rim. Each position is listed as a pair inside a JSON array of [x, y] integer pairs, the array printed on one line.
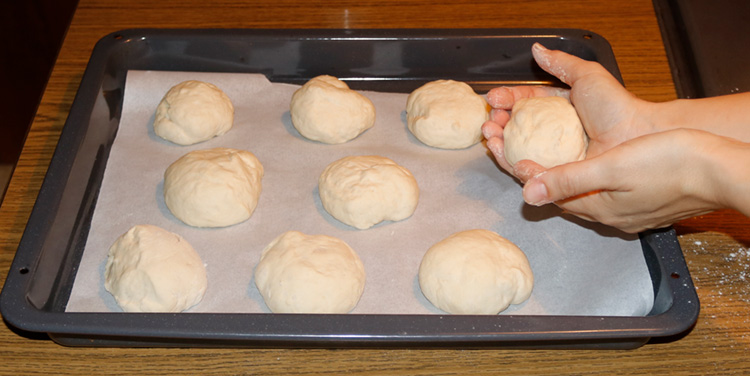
[[274, 329]]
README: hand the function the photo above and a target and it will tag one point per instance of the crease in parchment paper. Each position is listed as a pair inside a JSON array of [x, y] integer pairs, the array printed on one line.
[[579, 268]]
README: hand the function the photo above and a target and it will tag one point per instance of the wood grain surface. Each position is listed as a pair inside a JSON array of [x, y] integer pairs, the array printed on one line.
[[715, 245]]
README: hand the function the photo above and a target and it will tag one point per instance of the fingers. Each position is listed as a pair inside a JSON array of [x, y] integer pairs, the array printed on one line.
[[505, 97], [566, 181], [571, 70], [492, 129], [523, 170], [566, 67], [499, 116], [493, 132], [495, 144], [501, 97], [562, 65], [526, 169], [562, 182]]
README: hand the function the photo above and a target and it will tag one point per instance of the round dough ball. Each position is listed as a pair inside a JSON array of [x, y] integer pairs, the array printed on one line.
[[193, 112], [300, 273], [446, 114], [214, 187], [325, 109], [475, 272], [150, 269], [362, 191], [546, 130]]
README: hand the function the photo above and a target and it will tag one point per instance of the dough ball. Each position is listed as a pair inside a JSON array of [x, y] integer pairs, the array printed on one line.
[[326, 110], [546, 130], [193, 112], [150, 269], [446, 114], [214, 187], [475, 272], [362, 191], [300, 273]]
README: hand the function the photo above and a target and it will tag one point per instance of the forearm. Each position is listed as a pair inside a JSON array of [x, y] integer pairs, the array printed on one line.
[[727, 115], [727, 165]]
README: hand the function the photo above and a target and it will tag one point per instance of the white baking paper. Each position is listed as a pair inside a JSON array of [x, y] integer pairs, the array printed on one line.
[[579, 268]]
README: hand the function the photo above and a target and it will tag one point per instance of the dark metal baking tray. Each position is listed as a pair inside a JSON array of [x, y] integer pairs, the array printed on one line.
[[41, 276]]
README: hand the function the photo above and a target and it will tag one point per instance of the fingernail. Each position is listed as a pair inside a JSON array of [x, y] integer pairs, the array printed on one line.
[[535, 193], [541, 55], [538, 47]]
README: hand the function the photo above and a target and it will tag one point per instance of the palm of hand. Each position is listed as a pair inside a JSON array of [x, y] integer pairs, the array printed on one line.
[[609, 113]]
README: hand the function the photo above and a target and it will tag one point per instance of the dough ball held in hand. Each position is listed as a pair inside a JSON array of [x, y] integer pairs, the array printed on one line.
[[475, 272], [362, 191], [324, 109], [546, 130], [446, 114], [214, 187], [150, 269], [193, 112], [300, 273]]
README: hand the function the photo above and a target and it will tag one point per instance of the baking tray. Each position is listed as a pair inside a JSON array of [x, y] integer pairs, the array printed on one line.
[[41, 276]]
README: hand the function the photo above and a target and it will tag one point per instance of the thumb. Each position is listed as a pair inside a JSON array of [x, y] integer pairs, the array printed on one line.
[[566, 67], [564, 182]]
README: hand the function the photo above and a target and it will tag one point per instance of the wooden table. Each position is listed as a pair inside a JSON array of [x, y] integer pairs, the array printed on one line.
[[715, 245]]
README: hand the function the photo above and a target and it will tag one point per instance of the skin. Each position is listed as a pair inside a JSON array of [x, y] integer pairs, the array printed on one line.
[[648, 164]]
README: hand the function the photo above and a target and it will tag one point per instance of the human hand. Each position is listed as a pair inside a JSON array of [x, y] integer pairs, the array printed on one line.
[[648, 182], [609, 113], [648, 165]]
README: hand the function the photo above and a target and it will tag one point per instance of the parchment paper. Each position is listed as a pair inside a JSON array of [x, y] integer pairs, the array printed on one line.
[[579, 268]]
